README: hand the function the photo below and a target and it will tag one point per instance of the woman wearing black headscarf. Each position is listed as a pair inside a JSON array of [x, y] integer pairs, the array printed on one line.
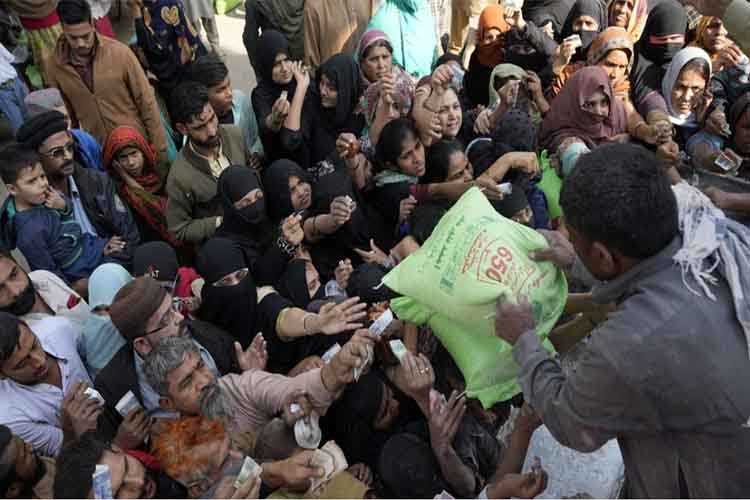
[[247, 224], [663, 37], [230, 300], [229, 297], [288, 188], [310, 132], [275, 91], [587, 19], [548, 14], [338, 242]]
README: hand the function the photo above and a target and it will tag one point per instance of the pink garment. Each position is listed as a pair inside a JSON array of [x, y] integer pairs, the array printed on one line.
[[256, 397], [567, 118]]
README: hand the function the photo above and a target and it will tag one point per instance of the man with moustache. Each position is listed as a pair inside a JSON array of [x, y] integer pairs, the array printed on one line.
[[90, 193], [194, 211], [37, 295]]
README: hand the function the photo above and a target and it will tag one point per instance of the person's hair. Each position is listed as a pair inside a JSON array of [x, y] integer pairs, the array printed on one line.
[[10, 331], [5, 253], [620, 196], [14, 158], [380, 43], [74, 11], [699, 66], [177, 438], [76, 465], [391, 141], [446, 58], [439, 160], [164, 358], [208, 70], [187, 101]]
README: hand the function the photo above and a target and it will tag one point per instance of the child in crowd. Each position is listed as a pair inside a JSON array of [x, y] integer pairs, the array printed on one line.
[[36, 219]]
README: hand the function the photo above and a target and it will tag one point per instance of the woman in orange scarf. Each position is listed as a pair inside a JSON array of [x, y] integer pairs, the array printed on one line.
[[488, 54], [711, 36], [140, 177], [613, 50]]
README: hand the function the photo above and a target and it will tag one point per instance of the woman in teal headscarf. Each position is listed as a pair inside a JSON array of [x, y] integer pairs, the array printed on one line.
[[101, 340], [410, 27]]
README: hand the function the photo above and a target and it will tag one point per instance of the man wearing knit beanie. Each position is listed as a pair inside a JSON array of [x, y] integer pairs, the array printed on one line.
[[143, 313], [91, 194]]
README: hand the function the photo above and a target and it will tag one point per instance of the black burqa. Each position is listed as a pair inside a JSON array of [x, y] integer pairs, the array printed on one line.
[[350, 420], [276, 181], [540, 12], [250, 228], [231, 308], [320, 126], [651, 60], [293, 284], [270, 45], [365, 224], [590, 8]]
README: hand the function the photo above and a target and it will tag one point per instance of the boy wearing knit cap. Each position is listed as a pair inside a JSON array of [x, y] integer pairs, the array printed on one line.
[[38, 221]]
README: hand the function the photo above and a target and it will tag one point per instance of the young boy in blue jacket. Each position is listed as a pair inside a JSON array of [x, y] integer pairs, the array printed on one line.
[[36, 220]]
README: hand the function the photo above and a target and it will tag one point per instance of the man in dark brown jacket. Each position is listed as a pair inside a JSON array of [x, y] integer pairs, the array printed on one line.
[[100, 79]]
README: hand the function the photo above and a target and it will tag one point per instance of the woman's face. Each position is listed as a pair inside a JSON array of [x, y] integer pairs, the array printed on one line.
[[742, 134], [377, 63], [388, 411], [131, 160], [597, 105], [615, 63], [450, 114], [249, 199], [300, 192], [716, 36], [328, 92], [585, 23], [687, 91], [490, 36], [282, 70], [620, 13], [313, 279], [411, 161], [459, 168]]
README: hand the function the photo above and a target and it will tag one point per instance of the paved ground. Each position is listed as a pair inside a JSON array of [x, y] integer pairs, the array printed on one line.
[[230, 34]]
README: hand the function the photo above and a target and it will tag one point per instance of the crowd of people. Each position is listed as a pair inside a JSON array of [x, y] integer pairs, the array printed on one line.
[[189, 275]]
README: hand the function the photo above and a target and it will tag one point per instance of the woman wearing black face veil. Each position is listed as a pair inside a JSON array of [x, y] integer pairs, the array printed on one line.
[[247, 224], [229, 300], [663, 37]]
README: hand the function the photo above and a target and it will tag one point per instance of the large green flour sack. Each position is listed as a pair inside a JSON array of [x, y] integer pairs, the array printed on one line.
[[452, 283]]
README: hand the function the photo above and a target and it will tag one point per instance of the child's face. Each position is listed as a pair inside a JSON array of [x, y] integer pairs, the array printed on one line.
[[31, 186]]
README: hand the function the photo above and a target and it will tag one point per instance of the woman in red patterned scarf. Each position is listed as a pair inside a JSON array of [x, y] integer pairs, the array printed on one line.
[[140, 179]]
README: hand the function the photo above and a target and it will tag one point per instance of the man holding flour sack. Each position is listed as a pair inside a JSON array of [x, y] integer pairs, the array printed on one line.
[[666, 373]]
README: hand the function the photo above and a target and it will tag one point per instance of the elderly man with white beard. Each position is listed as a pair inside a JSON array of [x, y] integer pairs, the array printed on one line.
[[247, 402]]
